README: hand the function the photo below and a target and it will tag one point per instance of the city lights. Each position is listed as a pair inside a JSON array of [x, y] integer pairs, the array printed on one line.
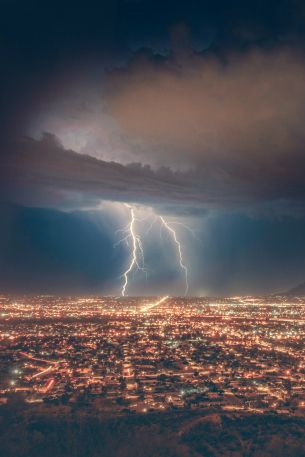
[[140, 354]]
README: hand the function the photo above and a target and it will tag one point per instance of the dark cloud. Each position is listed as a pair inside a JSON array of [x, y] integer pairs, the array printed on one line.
[[40, 41], [244, 110], [42, 172]]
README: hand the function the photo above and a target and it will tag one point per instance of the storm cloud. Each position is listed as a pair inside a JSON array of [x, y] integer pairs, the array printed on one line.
[[204, 130], [238, 110], [41, 172]]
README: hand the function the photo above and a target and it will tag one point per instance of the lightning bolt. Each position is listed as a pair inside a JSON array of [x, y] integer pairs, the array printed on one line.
[[173, 234], [133, 240], [137, 252], [189, 229]]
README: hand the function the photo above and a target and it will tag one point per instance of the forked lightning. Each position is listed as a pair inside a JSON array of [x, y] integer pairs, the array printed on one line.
[[137, 252]]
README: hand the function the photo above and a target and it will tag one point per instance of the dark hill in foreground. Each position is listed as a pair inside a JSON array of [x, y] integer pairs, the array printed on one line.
[[31, 433]]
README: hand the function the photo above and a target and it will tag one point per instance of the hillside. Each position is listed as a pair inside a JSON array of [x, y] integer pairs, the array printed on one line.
[[33, 433]]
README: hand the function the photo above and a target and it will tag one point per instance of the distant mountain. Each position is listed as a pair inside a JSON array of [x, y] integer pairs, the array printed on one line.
[[298, 290]]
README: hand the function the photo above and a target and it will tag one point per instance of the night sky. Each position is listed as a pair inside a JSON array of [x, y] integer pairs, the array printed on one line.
[[191, 110]]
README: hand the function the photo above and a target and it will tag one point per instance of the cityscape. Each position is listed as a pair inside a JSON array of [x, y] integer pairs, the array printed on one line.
[[139, 355], [152, 248]]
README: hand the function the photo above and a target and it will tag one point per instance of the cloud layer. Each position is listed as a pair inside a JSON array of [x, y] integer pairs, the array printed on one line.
[[43, 173]]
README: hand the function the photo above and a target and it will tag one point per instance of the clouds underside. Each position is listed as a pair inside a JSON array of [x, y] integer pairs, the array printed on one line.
[[43, 173]]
